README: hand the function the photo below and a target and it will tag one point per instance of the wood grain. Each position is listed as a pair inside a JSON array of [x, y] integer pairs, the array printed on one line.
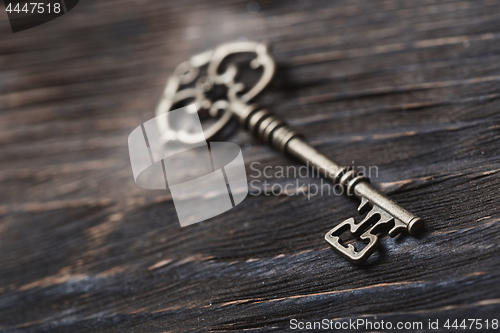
[[408, 86]]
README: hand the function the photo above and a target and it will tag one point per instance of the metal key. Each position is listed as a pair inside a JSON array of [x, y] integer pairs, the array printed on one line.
[[385, 214]]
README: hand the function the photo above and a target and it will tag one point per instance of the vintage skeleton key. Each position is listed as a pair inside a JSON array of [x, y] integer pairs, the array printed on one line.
[[385, 214]]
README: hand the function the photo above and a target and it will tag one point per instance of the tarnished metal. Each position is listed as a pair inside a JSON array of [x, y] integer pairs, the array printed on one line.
[[385, 214]]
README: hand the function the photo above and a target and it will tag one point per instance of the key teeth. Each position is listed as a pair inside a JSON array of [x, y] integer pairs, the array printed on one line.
[[384, 218], [349, 251], [398, 228], [351, 248], [364, 205]]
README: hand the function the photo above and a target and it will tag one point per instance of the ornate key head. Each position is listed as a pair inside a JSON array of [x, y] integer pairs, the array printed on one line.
[[209, 79]]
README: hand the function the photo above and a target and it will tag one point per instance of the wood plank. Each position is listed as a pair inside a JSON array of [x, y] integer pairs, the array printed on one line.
[[409, 87]]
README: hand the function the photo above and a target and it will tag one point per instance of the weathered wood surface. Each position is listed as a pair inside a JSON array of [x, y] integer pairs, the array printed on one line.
[[411, 87]]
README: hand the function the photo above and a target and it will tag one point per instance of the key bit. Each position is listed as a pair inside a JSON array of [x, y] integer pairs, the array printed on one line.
[[375, 221]]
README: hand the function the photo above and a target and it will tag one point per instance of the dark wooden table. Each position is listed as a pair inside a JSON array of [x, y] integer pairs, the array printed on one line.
[[408, 86]]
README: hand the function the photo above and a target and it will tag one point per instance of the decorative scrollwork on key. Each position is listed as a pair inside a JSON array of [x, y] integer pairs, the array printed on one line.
[[196, 79]]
